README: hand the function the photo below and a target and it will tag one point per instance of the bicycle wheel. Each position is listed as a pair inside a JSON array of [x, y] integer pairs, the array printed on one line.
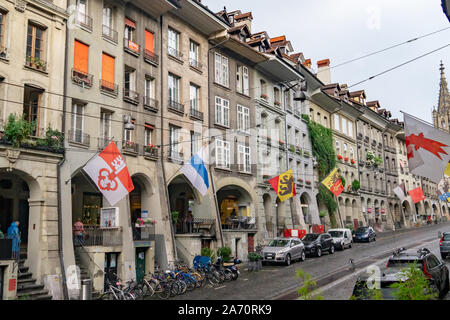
[[129, 296], [228, 274], [198, 280], [108, 296], [183, 286], [190, 284], [174, 289], [148, 289]]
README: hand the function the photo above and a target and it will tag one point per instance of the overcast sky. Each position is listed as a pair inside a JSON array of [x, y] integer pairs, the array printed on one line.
[[346, 29]]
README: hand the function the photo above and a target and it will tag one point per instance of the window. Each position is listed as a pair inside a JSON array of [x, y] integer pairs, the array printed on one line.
[[350, 129], [222, 112], [107, 28], [338, 146], [194, 97], [276, 96], [345, 149], [174, 43], [130, 81], [31, 108], [35, 46], [149, 88], [297, 138], [105, 125], [244, 158], [107, 16], [287, 100], [221, 70], [81, 62], [352, 153], [148, 134], [222, 154], [242, 80], [2, 30], [174, 88], [243, 115], [195, 143], [129, 136], [77, 122], [174, 141], [194, 55], [130, 36], [336, 122], [344, 126], [263, 88]]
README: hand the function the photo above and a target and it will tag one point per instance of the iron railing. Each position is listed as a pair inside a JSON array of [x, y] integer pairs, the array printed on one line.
[[150, 104], [151, 57], [195, 64], [144, 233], [78, 136], [130, 146], [131, 46], [96, 236], [175, 53], [109, 87], [196, 226], [83, 20], [196, 114], [110, 33], [240, 223], [80, 77], [130, 95], [176, 106]]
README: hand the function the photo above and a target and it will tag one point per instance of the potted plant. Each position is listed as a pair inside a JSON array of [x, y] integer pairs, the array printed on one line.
[[308, 182], [175, 215], [281, 142], [129, 145], [299, 151], [356, 185], [254, 260], [17, 130], [353, 161], [150, 148], [225, 253], [300, 180], [264, 96], [277, 103], [292, 148]]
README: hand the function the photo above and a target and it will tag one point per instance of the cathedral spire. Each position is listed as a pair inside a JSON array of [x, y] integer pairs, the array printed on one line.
[[444, 96]]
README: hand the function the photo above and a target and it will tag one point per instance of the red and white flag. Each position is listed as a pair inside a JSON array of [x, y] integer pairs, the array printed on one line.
[[428, 149], [110, 174], [416, 195]]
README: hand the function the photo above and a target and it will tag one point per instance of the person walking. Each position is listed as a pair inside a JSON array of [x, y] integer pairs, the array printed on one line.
[[189, 220], [14, 234], [78, 231]]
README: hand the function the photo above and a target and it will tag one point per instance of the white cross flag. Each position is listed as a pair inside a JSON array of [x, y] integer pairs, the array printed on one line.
[[400, 192], [110, 174]]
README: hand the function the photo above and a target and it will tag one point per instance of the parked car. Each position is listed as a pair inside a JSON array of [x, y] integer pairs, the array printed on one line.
[[316, 244], [284, 250], [444, 245], [365, 234], [433, 268], [342, 238]]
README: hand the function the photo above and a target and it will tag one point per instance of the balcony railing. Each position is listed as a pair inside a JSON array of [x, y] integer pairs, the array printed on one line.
[[151, 57], [109, 87], [78, 136], [36, 63], [196, 114], [131, 46], [196, 226], [175, 53], [131, 96], [151, 152], [151, 104], [195, 64], [96, 236], [130, 146], [6, 249], [175, 155], [240, 223], [80, 77], [175, 106], [110, 33], [144, 233], [83, 20]]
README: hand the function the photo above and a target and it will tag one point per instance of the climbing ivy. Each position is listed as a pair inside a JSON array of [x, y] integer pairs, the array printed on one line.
[[323, 151]]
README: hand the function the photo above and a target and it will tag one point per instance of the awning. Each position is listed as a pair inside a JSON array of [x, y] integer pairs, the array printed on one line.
[[130, 23], [149, 126]]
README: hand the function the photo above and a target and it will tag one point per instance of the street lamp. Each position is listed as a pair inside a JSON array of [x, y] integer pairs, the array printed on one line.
[[128, 123]]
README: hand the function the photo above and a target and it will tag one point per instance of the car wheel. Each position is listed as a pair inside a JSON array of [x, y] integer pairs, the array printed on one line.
[[288, 260], [319, 252], [332, 249], [303, 256], [342, 246], [351, 244]]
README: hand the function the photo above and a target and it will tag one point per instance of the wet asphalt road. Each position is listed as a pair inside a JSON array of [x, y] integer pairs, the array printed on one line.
[[331, 271]]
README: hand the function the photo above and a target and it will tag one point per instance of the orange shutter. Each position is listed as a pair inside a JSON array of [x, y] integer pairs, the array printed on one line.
[[81, 57], [149, 41], [107, 68]]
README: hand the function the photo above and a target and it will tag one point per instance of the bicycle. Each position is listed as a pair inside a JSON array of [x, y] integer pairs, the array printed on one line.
[[115, 292]]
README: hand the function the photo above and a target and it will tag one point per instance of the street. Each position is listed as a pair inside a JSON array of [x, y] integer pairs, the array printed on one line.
[[332, 272]]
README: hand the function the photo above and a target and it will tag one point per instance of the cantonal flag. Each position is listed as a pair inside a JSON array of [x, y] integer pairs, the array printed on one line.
[[110, 174], [284, 185], [416, 195], [333, 183]]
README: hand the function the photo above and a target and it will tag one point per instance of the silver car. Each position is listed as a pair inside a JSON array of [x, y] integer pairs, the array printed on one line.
[[284, 250]]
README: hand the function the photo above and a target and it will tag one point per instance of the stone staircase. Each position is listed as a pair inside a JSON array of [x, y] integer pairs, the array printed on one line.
[[84, 274], [27, 288]]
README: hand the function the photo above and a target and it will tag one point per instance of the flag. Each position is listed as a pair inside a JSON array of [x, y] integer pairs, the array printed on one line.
[[428, 149], [195, 171], [445, 196], [284, 185], [416, 195], [333, 183], [400, 192], [110, 174], [447, 170]]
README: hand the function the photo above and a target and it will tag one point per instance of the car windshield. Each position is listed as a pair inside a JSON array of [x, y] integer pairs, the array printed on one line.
[[336, 234], [403, 263], [310, 237], [363, 229], [278, 243]]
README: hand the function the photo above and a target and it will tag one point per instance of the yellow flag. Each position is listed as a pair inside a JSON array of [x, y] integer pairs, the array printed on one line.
[[284, 185], [334, 183], [447, 170]]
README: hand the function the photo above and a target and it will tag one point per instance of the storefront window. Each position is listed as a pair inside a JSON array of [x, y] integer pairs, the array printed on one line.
[[92, 203]]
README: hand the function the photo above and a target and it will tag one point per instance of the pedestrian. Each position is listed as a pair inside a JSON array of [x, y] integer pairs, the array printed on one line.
[[2, 236], [189, 221], [78, 232], [14, 235]]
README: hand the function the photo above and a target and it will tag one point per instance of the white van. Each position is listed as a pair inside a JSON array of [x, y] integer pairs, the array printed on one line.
[[342, 238]]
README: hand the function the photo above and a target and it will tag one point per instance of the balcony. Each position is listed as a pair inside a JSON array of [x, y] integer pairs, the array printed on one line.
[[374, 143], [151, 57], [197, 226], [131, 47], [130, 147], [82, 78], [130, 96], [240, 224], [77, 136], [83, 20], [36, 63], [150, 152], [195, 64], [6, 249], [109, 87], [144, 233], [110, 34], [151, 104], [176, 107], [96, 236], [194, 113], [175, 53]]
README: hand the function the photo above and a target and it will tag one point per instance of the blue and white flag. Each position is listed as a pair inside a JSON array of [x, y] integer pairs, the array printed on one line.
[[444, 196], [195, 171]]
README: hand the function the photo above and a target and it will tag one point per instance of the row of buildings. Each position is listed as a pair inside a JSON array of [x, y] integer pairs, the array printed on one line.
[[161, 79]]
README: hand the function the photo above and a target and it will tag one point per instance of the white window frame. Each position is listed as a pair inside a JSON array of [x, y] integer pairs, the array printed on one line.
[[77, 117], [194, 48], [195, 142], [174, 135], [194, 92], [222, 154], [173, 41], [174, 87], [243, 118], [350, 129], [336, 123], [150, 88], [221, 70], [148, 133], [244, 159], [344, 126], [222, 116], [105, 122]]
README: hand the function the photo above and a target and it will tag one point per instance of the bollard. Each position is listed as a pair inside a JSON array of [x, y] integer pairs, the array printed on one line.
[[86, 289]]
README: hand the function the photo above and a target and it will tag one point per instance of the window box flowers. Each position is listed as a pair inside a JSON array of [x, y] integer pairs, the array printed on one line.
[[150, 148], [339, 157], [281, 142], [308, 182], [353, 161], [130, 145], [140, 223], [264, 96], [346, 159]]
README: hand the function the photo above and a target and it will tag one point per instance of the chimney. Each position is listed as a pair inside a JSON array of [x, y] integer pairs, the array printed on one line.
[[307, 63], [244, 18], [344, 87], [323, 71]]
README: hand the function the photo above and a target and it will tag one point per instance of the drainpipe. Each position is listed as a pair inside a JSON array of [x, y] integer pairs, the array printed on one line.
[[359, 172], [60, 163], [166, 190], [385, 182]]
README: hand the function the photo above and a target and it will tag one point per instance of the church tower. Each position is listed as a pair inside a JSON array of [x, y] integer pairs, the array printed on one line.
[[441, 116]]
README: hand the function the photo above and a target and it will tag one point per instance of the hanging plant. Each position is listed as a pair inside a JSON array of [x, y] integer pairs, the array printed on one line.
[[356, 185]]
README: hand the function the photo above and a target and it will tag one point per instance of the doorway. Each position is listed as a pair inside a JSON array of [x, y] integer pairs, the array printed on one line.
[[141, 254], [111, 260], [2, 272]]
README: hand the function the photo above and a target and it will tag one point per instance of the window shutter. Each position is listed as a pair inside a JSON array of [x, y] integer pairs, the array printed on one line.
[[107, 68], [149, 41], [81, 57]]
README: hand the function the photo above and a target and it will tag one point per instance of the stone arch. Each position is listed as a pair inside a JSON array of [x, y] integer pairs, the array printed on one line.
[[305, 199], [267, 202], [348, 211]]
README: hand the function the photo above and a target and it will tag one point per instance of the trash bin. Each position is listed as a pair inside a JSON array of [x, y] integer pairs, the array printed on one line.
[[86, 289]]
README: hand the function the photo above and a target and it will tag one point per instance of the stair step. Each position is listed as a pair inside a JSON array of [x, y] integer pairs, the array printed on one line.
[[25, 275], [23, 269], [24, 281], [27, 287], [43, 297], [32, 294]]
